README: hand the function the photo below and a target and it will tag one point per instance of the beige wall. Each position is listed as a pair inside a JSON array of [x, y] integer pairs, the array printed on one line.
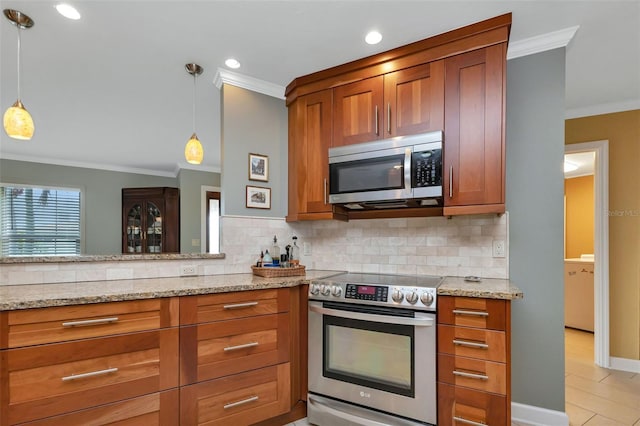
[[622, 130], [579, 214]]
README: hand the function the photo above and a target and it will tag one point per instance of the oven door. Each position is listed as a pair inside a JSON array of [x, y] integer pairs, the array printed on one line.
[[376, 357]]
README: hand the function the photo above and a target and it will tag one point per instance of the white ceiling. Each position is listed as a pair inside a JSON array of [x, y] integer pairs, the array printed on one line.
[[110, 90]]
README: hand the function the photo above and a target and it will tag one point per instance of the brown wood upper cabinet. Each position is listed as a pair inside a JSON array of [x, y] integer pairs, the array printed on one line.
[[453, 82], [399, 103], [474, 154]]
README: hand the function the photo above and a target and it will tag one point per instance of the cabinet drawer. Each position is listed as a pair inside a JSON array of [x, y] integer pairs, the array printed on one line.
[[241, 399], [464, 407], [473, 373], [472, 342], [52, 379], [156, 409], [225, 306], [212, 350], [472, 312], [64, 323]]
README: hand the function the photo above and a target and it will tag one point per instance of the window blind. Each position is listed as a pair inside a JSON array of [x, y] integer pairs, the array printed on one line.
[[39, 221]]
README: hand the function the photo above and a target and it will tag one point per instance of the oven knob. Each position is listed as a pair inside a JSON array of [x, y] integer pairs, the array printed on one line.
[[412, 297], [336, 291], [314, 289], [325, 290], [397, 296], [426, 298]]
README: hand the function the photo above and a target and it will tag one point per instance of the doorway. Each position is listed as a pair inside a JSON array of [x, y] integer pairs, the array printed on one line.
[[600, 244]]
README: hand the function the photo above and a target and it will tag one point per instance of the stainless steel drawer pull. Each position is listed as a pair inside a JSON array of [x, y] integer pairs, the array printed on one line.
[[235, 348], [89, 322], [472, 313], [470, 344], [470, 375], [90, 374], [240, 305], [468, 422], [244, 401]]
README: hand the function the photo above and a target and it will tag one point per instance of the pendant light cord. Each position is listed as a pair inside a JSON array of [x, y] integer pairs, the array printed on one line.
[[18, 62], [194, 102]]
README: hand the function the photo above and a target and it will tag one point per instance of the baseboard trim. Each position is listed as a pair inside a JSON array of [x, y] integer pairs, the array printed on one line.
[[625, 364], [537, 416]]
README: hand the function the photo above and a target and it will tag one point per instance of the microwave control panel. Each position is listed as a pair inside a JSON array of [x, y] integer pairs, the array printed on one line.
[[426, 168]]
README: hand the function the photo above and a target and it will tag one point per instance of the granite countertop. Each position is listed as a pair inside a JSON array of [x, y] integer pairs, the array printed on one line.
[[13, 297], [488, 288]]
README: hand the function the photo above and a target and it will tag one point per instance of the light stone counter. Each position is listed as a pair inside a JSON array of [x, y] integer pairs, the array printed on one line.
[[488, 288], [79, 293], [44, 295]]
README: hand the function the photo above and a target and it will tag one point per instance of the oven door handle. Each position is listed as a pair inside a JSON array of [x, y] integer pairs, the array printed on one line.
[[387, 319]]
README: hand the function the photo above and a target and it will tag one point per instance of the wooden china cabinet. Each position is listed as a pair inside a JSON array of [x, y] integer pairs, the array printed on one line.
[[150, 220]]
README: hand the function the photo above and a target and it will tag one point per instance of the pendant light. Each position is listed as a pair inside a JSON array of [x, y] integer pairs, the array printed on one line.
[[193, 150], [17, 121]]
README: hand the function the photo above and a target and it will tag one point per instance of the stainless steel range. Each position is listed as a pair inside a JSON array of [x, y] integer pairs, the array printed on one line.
[[372, 350]]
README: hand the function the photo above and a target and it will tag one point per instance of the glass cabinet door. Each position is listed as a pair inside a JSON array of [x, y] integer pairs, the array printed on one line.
[[134, 229], [154, 229]]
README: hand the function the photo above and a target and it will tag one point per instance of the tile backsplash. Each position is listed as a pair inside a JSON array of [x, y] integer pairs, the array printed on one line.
[[455, 246]]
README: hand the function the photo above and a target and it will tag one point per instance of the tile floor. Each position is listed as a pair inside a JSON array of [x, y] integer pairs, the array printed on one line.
[[597, 396], [594, 396]]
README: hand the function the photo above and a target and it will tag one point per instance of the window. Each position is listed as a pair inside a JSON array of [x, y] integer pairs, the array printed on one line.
[[39, 221]]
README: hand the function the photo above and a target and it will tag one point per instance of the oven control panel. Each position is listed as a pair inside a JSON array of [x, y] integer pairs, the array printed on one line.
[[420, 298]]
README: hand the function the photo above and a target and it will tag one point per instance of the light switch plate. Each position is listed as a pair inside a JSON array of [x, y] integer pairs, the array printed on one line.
[[499, 249]]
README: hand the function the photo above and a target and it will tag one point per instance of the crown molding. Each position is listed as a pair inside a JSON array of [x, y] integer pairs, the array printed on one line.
[[608, 108], [250, 83], [541, 43]]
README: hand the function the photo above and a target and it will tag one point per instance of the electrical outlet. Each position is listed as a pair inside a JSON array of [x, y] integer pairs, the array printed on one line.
[[499, 249], [306, 248], [188, 271]]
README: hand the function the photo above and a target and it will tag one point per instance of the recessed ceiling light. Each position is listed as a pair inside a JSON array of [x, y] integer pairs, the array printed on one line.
[[373, 37], [68, 11], [232, 63]]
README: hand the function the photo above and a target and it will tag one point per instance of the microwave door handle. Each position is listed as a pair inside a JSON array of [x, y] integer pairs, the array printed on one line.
[[407, 170], [418, 322]]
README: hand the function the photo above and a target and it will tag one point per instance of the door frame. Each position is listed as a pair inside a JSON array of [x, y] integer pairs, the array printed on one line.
[[203, 213], [601, 246]]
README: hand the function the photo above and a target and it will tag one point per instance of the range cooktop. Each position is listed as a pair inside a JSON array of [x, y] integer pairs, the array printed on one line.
[[403, 291]]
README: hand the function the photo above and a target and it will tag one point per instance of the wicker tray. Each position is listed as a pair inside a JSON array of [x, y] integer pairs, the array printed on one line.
[[278, 272]]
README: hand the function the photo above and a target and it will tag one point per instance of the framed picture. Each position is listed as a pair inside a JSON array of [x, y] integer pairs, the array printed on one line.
[[258, 167], [258, 197]]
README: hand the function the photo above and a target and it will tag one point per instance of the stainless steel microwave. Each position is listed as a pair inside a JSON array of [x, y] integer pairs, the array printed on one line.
[[404, 171]]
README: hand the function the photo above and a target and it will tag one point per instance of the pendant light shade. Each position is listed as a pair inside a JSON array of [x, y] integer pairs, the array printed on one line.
[[17, 121], [193, 151]]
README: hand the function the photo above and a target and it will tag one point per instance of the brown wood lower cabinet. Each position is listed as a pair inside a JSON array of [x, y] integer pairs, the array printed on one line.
[[240, 399], [461, 406], [49, 380], [156, 409]]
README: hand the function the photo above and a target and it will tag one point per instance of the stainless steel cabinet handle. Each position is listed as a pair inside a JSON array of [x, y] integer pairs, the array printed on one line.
[[471, 313], [325, 191], [235, 348], [470, 344], [470, 375], [97, 321], [451, 182], [376, 119], [468, 422], [90, 374], [244, 401], [240, 305], [389, 117]]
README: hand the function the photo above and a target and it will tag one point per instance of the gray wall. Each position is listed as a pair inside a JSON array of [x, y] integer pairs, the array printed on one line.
[[101, 191], [534, 194], [190, 183], [252, 123]]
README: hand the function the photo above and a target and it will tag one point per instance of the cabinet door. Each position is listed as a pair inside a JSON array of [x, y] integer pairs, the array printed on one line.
[[312, 156], [474, 133], [461, 406], [414, 100], [357, 109], [132, 240]]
